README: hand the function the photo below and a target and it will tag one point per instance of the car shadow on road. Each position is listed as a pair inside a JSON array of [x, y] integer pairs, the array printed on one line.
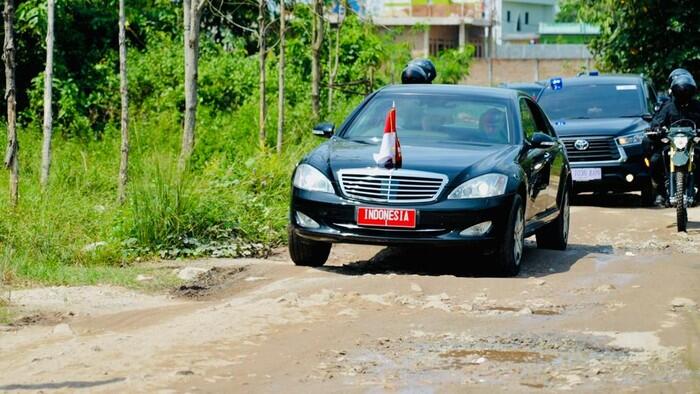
[[70, 384], [607, 200], [461, 263]]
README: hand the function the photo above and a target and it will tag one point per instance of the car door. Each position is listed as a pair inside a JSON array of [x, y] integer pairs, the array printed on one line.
[[554, 160], [534, 164]]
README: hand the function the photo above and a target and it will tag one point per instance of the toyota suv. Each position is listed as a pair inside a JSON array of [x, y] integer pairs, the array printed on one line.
[[601, 120]]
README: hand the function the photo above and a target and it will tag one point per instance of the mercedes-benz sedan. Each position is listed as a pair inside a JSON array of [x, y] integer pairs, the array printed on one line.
[[480, 167]]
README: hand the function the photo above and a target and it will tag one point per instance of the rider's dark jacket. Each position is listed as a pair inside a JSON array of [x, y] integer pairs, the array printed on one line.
[[673, 112]]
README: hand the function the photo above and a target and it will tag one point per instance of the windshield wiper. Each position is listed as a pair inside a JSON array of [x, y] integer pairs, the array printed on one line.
[[580, 117], [630, 116]]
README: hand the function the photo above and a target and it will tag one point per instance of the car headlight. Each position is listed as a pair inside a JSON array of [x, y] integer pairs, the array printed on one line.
[[309, 178], [489, 185], [632, 139], [680, 141]]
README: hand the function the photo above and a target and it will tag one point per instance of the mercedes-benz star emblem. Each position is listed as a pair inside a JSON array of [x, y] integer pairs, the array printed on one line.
[[581, 144]]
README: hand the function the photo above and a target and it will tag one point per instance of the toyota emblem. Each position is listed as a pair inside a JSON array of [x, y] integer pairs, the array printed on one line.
[[581, 144]]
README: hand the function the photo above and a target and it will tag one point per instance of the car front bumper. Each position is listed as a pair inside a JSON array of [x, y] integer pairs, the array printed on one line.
[[615, 173], [438, 223]]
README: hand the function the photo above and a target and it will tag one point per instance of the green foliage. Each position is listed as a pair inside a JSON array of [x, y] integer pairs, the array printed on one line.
[[232, 200], [453, 65], [649, 36]]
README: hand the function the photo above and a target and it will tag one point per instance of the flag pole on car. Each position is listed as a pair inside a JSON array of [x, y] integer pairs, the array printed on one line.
[[389, 154]]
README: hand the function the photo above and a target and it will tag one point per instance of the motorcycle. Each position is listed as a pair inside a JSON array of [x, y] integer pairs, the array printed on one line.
[[679, 162]]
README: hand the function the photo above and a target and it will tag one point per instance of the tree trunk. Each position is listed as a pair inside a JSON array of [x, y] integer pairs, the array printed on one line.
[[336, 59], [124, 92], [262, 135], [280, 71], [11, 159], [192, 15], [316, 42], [48, 98]]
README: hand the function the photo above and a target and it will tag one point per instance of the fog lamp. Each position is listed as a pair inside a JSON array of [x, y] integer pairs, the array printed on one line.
[[629, 178], [305, 221], [477, 229]]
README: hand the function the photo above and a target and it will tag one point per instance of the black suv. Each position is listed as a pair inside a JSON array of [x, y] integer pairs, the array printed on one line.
[[601, 120]]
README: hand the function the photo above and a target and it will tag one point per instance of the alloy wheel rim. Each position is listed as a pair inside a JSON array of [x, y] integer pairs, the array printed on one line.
[[518, 237]]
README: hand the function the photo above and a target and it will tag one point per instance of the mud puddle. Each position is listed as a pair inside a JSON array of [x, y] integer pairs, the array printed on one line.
[[463, 357], [212, 282]]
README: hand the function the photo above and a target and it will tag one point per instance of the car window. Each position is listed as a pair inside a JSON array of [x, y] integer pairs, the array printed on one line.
[[527, 120], [593, 101], [651, 98], [435, 118], [541, 121]]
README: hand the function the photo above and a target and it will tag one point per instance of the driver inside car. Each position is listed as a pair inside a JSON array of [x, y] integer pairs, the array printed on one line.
[[494, 126]]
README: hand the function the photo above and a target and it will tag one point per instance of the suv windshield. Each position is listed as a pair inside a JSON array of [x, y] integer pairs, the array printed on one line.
[[434, 118], [599, 100]]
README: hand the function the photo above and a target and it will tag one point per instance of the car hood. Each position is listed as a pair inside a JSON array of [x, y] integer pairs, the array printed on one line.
[[452, 160], [594, 127]]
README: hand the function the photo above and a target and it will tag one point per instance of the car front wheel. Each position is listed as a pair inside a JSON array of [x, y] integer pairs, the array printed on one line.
[[306, 252], [510, 249]]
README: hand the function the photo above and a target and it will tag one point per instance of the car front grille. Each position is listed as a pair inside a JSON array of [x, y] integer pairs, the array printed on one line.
[[391, 185], [599, 149]]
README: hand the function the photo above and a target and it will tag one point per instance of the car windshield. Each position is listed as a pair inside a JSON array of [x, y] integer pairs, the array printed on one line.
[[435, 118], [601, 100]]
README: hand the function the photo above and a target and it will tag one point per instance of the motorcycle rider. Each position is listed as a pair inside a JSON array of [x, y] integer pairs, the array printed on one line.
[[682, 105]]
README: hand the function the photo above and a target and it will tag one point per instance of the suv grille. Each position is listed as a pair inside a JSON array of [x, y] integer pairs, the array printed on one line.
[[392, 186], [599, 149]]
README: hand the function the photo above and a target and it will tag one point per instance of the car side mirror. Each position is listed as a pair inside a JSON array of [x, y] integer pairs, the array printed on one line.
[[648, 117], [324, 129], [542, 140]]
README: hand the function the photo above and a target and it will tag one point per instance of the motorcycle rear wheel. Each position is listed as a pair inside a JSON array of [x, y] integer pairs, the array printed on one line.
[[681, 209]]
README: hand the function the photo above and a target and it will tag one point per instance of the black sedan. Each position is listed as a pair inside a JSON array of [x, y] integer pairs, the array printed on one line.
[[481, 167]]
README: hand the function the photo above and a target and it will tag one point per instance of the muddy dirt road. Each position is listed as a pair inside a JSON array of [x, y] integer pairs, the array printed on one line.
[[616, 312]]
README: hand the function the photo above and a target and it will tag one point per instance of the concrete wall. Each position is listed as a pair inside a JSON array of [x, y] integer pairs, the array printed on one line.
[[537, 13], [524, 70]]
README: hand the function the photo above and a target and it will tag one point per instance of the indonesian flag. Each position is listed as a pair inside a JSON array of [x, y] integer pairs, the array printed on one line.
[[390, 151]]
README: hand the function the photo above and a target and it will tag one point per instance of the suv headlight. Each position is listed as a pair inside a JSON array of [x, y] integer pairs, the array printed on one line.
[[631, 139], [680, 141], [309, 178], [489, 185]]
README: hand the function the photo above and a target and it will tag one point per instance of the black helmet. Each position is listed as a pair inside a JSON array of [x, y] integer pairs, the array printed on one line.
[[427, 66], [683, 88], [413, 74], [677, 72]]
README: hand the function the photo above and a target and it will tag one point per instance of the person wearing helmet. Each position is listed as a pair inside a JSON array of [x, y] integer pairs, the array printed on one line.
[[681, 106], [413, 74], [418, 71]]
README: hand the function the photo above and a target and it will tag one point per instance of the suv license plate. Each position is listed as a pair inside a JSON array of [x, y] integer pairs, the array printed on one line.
[[386, 217], [586, 174]]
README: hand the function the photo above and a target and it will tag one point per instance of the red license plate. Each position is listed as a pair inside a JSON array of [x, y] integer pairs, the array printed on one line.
[[386, 217]]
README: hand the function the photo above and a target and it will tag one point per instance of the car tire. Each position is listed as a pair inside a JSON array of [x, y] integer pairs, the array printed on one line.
[[648, 195], [555, 235], [306, 252], [509, 253]]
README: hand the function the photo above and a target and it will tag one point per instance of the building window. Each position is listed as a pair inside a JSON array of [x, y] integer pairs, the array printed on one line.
[[508, 16], [517, 26], [527, 18]]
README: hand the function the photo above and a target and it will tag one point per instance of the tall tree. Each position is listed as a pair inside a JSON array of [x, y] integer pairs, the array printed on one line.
[[124, 93], [649, 36], [316, 43], [11, 155], [280, 74], [48, 97], [262, 54], [342, 9], [192, 10]]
